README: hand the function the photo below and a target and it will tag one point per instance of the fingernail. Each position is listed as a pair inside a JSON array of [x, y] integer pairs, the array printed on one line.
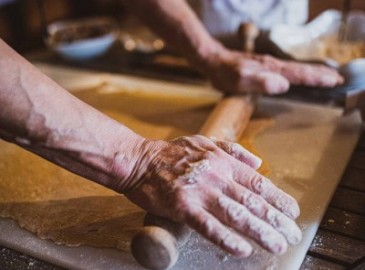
[[294, 210], [288, 206], [329, 80], [284, 225], [237, 246], [251, 159], [280, 248], [257, 163], [275, 242], [341, 80], [243, 249], [295, 236], [281, 86]]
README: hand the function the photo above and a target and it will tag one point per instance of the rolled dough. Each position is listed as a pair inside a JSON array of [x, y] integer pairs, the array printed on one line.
[[58, 205]]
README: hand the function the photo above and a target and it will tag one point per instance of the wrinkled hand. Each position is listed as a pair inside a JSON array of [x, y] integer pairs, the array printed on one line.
[[213, 186], [236, 72]]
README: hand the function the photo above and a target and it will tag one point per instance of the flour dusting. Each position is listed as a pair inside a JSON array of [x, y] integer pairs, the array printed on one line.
[[194, 171], [254, 227]]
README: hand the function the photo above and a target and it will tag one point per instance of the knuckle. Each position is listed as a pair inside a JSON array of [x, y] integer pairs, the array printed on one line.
[[202, 141], [181, 212], [197, 142], [257, 183], [198, 137], [205, 225], [234, 213], [237, 150], [209, 155], [181, 199], [220, 144], [180, 203], [183, 140], [254, 202]]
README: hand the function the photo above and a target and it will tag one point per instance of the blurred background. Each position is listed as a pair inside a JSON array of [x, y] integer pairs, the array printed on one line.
[[21, 20]]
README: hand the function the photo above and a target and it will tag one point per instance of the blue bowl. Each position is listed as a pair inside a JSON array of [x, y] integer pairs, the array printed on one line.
[[82, 39]]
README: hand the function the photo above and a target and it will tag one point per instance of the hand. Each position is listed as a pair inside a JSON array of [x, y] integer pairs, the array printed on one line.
[[213, 186], [236, 72]]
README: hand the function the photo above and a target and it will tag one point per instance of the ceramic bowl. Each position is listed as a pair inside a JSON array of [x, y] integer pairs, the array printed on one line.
[[82, 39]]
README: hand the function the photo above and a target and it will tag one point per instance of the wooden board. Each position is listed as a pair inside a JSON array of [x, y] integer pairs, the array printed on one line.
[[308, 148]]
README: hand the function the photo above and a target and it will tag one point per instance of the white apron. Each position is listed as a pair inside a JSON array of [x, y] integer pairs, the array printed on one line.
[[223, 17]]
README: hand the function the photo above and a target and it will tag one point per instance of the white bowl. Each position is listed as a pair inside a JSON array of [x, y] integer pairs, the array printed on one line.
[[83, 38]]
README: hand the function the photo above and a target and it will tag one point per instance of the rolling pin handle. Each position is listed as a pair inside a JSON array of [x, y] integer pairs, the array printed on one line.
[[248, 32], [180, 231], [156, 246]]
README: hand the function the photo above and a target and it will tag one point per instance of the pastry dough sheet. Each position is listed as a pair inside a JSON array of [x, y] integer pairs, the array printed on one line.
[[58, 205]]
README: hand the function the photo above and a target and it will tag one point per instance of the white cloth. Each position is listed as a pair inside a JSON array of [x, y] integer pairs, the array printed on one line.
[[223, 17]]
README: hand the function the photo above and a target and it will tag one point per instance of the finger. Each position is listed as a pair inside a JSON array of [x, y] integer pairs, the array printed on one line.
[[259, 184], [263, 210], [208, 226], [198, 143], [311, 75], [240, 153], [263, 82], [243, 221]]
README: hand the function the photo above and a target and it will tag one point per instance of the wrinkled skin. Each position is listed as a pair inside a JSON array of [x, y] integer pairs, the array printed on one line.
[[214, 185], [210, 185], [236, 72]]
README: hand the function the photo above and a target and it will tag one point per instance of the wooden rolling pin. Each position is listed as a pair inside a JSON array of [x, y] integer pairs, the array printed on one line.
[[157, 245]]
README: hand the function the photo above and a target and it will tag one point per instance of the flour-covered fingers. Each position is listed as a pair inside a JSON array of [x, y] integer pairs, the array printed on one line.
[[311, 75], [275, 196], [240, 153], [208, 226], [259, 184], [262, 81], [237, 216], [263, 210]]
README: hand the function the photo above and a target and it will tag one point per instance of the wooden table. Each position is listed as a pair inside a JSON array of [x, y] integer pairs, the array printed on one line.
[[340, 241]]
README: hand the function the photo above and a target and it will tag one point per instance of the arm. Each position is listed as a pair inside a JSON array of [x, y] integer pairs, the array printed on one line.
[[40, 116], [228, 70], [180, 179], [179, 26]]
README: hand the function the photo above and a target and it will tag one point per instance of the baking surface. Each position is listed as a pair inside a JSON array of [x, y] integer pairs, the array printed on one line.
[[311, 149]]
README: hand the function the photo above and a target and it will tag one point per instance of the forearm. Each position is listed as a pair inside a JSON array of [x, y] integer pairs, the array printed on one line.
[[178, 25], [40, 116]]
